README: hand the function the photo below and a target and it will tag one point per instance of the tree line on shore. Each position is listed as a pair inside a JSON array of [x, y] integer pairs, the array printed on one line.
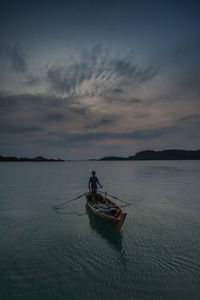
[[35, 159], [159, 155], [142, 155]]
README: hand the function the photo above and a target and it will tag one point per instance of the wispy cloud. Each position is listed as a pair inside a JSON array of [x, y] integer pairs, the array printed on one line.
[[190, 118], [74, 140], [98, 73], [191, 121], [98, 99], [17, 58]]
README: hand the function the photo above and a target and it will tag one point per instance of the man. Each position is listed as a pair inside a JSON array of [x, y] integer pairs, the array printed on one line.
[[92, 184]]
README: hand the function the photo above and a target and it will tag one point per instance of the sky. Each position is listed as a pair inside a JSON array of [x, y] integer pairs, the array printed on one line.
[[88, 79]]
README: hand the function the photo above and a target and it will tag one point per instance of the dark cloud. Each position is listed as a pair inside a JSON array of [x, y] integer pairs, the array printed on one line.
[[126, 67], [117, 91], [10, 103], [50, 108], [153, 133], [101, 122], [120, 99], [43, 109], [82, 111], [17, 59], [135, 100], [183, 65], [55, 117], [189, 83], [141, 115], [185, 53], [66, 139], [32, 80], [190, 117], [191, 121], [13, 129], [7, 104]]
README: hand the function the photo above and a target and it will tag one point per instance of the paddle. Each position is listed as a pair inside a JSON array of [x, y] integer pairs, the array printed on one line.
[[114, 197], [68, 201]]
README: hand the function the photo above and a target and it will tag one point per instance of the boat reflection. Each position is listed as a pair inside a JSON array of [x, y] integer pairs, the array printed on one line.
[[113, 236]]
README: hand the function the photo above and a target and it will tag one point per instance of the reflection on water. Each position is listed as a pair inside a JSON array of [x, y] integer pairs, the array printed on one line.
[[113, 236]]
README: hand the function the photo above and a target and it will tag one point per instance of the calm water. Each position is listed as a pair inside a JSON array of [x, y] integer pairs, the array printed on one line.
[[69, 254]]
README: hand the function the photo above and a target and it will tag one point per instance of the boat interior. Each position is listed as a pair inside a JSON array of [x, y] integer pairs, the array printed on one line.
[[104, 205]]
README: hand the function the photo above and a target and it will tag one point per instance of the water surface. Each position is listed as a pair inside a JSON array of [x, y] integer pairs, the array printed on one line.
[[70, 254]]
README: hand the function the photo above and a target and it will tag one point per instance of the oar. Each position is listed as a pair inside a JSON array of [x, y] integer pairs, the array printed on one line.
[[116, 198], [68, 201]]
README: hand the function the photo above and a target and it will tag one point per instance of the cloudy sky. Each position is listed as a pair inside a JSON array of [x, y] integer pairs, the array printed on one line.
[[86, 79]]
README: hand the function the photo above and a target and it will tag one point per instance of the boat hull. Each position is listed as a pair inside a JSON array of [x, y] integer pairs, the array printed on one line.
[[116, 220]]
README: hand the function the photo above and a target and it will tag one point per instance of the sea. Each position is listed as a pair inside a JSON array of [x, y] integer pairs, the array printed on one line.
[[70, 254]]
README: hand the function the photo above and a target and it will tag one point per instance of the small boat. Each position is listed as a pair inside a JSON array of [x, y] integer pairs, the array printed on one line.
[[106, 209], [106, 231]]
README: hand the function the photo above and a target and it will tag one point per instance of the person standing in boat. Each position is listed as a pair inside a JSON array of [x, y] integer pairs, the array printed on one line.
[[92, 184]]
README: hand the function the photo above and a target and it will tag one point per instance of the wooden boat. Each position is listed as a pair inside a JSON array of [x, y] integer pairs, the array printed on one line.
[[106, 231], [106, 209]]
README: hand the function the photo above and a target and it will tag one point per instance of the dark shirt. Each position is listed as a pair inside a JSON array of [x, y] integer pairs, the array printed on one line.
[[94, 180]]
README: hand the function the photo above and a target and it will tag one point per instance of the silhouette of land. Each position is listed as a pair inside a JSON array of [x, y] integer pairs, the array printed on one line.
[[35, 159], [159, 155]]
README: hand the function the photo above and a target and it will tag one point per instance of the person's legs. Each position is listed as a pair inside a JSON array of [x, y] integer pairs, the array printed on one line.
[[94, 194]]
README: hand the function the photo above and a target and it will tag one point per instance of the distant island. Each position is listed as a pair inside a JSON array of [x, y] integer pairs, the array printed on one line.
[[160, 155], [35, 159]]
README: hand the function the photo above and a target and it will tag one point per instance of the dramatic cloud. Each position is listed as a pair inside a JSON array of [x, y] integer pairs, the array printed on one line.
[[97, 78], [99, 74]]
